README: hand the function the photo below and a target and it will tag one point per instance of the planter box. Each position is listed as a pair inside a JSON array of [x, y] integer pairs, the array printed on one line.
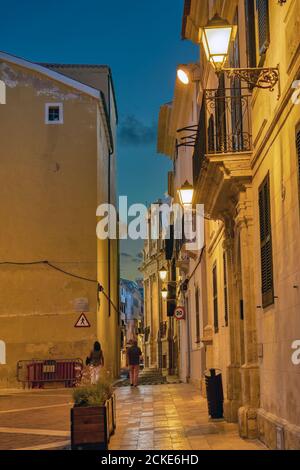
[[91, 427]]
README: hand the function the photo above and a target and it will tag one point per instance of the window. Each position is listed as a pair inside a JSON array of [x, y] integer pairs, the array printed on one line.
[[225, 290], [2, 353], [197, 314], [262, 7], [215, 300], [54, 113], [266, 244]]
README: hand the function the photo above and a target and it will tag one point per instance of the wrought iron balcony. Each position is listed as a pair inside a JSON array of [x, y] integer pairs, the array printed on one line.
[[224, 125], [228, 121]]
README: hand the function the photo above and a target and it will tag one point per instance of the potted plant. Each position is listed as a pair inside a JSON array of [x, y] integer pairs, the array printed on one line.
[[93, 416]]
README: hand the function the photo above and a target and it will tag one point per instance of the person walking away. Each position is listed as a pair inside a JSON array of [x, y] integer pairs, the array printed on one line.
[[96, 361], [134, 354]]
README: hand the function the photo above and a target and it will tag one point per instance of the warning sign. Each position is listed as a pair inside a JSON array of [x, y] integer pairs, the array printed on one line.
[[82, 322]]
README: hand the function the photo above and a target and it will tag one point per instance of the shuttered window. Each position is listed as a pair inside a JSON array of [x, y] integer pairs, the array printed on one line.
[[200, 145], [263, 25], [267, 283], [215, 300], [225, 289]]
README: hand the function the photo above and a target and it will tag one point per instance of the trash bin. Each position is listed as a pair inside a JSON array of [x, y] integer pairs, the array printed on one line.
[[214, 390]]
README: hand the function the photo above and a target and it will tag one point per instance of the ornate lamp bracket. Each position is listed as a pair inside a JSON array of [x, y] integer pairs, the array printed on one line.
[[265, 78]]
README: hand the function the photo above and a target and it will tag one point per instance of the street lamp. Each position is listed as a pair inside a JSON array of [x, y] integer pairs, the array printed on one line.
[[183, 76], [163, 273], [186, 194], [216, 38], [164, 294]]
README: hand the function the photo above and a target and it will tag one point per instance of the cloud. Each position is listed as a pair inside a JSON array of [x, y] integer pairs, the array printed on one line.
[[133, 258], [134, 132]]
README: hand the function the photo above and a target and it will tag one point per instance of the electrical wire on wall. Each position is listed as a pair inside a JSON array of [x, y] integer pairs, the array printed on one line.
[[100, 289]]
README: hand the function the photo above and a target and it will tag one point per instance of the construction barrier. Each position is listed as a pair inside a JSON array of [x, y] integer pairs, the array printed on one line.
[[36, 373]]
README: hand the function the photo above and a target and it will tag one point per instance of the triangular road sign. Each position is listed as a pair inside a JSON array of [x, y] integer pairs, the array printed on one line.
[[82, 322]]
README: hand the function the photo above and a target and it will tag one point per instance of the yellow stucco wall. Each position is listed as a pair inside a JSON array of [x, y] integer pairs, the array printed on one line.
[[49, 196]]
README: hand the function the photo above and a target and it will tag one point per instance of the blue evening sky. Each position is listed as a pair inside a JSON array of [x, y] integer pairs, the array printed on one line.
[[140, 41]]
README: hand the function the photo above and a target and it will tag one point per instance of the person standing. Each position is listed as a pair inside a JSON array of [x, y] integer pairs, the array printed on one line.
[[134, 354], [95, 361]]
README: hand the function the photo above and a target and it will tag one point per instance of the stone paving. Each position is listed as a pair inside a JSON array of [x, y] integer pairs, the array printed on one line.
[[34, 419], [171, 417], [158, 417]]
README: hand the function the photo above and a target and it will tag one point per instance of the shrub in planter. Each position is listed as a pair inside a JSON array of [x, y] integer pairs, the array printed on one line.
[[93, 416]]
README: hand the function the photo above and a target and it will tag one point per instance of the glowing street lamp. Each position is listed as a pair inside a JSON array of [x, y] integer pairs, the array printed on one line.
[[164, 294], [186, 194], [183, 76], [163, 273], [216, 39]]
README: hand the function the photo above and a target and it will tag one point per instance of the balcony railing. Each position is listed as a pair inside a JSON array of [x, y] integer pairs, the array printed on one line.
[[224, 125], [228, 121]]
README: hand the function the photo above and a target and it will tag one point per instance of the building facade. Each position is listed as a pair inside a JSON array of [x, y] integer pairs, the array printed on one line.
[[160, 334], [244, 160], [57, 145]]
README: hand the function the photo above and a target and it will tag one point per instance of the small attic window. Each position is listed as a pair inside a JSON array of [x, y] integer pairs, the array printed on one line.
[[54, 113]]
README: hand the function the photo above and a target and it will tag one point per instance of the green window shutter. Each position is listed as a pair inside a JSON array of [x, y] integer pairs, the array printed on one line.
[[215, 300], [263, 25], [267, 282]]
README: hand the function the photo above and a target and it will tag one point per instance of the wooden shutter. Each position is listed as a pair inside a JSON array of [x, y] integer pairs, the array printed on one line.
[[250, 32], [200, 145], [171, 191], [215, 300], [267, 283], [263, 25], [169, 244]]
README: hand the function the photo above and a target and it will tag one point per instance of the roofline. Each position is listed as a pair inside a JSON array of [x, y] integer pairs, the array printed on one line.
[[93, 92], [51, 74], [99, 66]]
